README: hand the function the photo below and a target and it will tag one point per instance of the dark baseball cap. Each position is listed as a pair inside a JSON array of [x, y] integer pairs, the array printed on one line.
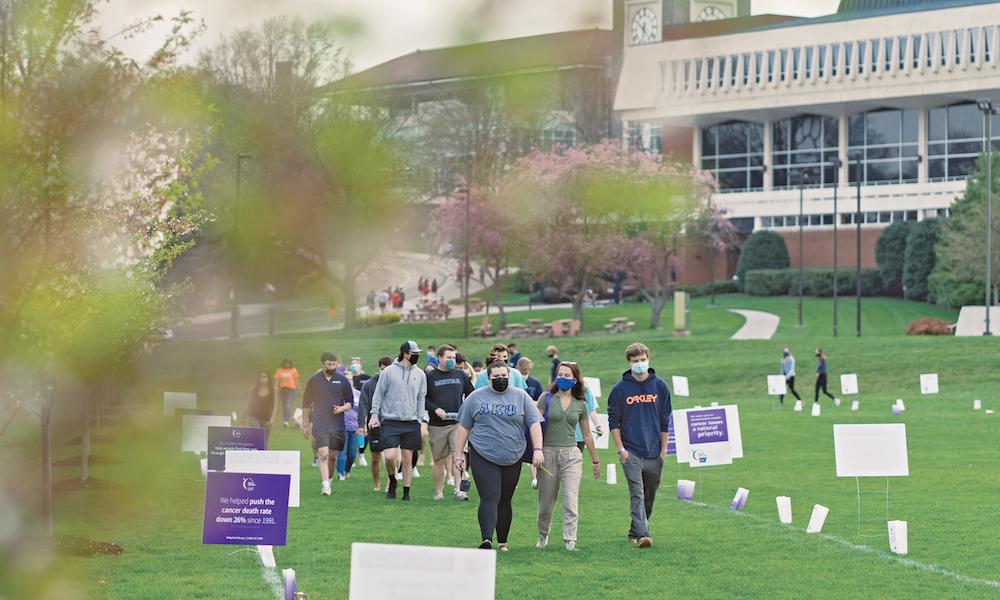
[[410, 346]]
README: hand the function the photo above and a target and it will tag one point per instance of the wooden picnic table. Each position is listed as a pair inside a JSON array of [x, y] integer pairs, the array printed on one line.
[[619, 320]]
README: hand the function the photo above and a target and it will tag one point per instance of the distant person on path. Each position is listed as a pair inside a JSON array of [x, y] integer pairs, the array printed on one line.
[[465, 366], [566, 408], [432, 359], [402, 297], [638, 416], [493, 420], [383, 300], [595, 427], [327, 397], [287, 377], [261, 406], [788, 370], [500, 352], [553, 354], [434, 286], [398, 409], [821, 375], [372, 434], [447, 387], [396, 303], [370, 301]]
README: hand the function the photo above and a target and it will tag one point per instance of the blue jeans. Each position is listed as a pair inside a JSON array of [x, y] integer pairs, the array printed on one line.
[[287, 403], [348, 454]]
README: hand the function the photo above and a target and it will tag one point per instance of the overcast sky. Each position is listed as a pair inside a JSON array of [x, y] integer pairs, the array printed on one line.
[[390, 28]]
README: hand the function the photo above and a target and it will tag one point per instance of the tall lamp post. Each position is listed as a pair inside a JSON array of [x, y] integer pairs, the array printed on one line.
[[836, 164], [234, 314], [466, 270], [802, 187], [857, 221], [986, 105]]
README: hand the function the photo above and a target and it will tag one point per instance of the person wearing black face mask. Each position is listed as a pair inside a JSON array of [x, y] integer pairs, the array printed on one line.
[[398, 408], [327, 397], [493, 420]]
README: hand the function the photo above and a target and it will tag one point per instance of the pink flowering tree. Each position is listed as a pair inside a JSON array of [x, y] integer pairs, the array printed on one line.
[[495, 233]]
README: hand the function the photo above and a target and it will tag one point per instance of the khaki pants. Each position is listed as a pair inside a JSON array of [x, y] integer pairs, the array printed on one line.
[[566, 465]]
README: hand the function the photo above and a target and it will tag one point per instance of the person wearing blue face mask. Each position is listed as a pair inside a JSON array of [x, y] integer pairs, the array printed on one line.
[[564, 407], [639, 417], [447, 387]]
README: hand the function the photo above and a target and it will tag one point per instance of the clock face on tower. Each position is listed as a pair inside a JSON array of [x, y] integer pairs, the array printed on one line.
[[644, 26], [711, 13]]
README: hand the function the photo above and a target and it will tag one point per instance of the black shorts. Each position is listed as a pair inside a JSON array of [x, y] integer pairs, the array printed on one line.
[[402, 434], [334, 440], [375, 439]]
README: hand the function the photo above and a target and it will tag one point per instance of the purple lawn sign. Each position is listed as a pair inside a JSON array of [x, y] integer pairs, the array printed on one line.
[[221, 439], [288, 575], [245, 509], [685, 489], [707, 426], [671, 438]]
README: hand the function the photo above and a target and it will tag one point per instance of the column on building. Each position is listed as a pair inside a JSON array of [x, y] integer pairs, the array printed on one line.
[[922, 146], [696, 148], [842, 141]]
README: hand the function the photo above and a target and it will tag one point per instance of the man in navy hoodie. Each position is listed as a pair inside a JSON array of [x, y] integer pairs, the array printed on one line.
[[638, 416]]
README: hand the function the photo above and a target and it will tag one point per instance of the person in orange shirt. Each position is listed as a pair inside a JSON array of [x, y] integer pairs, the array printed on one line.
[[287, 380]]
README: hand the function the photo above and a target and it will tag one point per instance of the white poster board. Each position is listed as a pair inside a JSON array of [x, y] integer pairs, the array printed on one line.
[[877, 450], [594, 385], [848, 384], [600, 441], [928, 383], [194, 430], [682, 434], [174, 400], [268, 462], [680, 386], [421, 572], [776, 385]]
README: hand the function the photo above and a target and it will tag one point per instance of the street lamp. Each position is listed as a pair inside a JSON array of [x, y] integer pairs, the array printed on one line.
[[986, 105], [857, 221], [836, 164], [234, 315], [802, 187]]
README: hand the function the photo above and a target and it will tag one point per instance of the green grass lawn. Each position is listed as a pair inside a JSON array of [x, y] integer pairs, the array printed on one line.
[[702, 550]]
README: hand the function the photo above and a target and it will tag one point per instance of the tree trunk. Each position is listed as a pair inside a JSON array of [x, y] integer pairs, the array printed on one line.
[[497, 291], [92, 390], [46, 431], [656, 308], [578, 309]]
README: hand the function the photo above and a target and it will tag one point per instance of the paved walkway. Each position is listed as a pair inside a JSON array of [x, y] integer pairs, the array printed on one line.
[[759, 326]]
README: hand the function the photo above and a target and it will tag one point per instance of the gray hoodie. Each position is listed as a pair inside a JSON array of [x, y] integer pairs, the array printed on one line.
[[399, 394]]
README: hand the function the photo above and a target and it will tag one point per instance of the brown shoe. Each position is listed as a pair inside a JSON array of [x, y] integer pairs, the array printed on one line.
[[645, 542]]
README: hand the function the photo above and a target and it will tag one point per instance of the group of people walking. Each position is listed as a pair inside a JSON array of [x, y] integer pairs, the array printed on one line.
[[788, 370], [482, 420]]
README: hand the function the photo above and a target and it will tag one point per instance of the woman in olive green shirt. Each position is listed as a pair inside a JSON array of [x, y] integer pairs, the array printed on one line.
[[567, 407]]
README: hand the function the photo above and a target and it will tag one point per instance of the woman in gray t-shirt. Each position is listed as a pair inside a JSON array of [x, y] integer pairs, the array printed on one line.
[[493, 420]]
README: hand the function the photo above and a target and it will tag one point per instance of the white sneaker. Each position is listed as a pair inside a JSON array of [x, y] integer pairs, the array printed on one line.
[[341, 477], [325, 490], [534, 484], [571, 546], [399, 476], [543, 541], [461, 496], [451, 481], [416, 473], [362, 461], [438, 497], [315, 462]]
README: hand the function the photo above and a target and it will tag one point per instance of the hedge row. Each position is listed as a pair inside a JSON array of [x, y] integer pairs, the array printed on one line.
[[815, 282], [725, 286], [375, 320]]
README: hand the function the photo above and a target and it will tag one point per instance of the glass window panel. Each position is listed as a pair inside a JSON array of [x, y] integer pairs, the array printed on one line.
[[916, 47], [964, 121], [781, 178], [871, 217], [766, 222], [780, 159], [899, 216], [856, 130], [883, 152], [911, 215], [732, 138], [909, 151], [780, 222], [882, 127], [793, 221], [757, 179], [733, 163], [828, 220], [784, 63], [780, 129], [848, 219], [965, 148], [910, 126], [937, 124], [936, 169], [730, 180], [883, 171], [886, 217], [756, 160], [960, 167], [756, 131], [830, 175], [796, 61], [831, 132], [708, 147]]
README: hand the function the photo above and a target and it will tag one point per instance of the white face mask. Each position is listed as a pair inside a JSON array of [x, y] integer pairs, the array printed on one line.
[[639, 368]]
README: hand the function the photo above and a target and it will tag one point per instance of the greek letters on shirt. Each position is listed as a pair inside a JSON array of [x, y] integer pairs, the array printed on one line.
[[452, 381], [499, 410]]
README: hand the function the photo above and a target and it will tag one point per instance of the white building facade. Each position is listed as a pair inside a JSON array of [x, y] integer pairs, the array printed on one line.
[[884, 94]]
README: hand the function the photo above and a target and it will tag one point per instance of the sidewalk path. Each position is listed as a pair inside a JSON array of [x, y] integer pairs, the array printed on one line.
[[759, 325]]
